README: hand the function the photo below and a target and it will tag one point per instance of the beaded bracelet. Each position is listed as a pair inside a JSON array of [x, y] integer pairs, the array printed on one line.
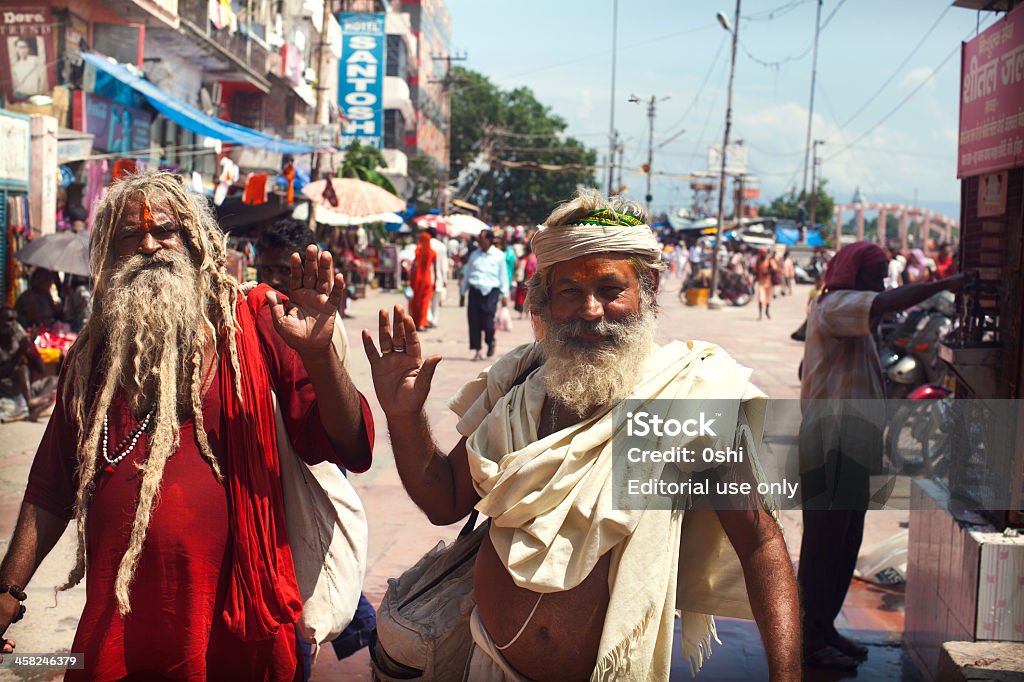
[[18, 593], [14, 590]]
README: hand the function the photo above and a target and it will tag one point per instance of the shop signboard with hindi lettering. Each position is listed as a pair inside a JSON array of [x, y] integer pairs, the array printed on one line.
[[28, 61], [115, 127], [361, 78], [992, 98]]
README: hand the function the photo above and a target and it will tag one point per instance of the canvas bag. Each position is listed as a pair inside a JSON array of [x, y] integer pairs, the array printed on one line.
[[328, 535], [423, 621]]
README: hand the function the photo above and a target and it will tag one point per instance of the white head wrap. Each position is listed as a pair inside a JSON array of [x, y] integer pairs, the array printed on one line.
[[598, 232]]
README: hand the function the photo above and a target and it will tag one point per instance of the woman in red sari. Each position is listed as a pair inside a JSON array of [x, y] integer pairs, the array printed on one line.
[[422, 281]]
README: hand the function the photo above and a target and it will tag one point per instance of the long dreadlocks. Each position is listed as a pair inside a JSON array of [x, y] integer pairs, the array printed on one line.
[[97, 367]]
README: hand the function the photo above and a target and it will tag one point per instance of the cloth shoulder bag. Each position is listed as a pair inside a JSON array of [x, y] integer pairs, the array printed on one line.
[[423, 621], [328, 534]]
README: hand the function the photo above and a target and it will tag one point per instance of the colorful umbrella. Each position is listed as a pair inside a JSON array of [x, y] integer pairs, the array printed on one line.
[[355, 198], [461, 223], [431, 220], [60, 252]]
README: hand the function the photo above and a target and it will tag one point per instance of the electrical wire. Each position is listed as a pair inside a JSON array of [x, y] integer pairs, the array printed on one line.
[[700, 90], [898, 69]]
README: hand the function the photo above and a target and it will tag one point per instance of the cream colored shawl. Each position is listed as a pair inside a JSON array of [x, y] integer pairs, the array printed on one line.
[[550, 502]]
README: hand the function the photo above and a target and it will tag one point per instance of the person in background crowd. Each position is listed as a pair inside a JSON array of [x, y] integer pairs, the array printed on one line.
[[920, 268], [505, 245], [788, 273], [525, 267], [897, 263], [682, 262], [485, 283], [441, 272], [567, 587], [20, 397], [841, 363], [36, 306], [945, 264], [77, 302], [765, 270], [696, 258], [163, 447], [77, 215], [421, 278], [273, 267]]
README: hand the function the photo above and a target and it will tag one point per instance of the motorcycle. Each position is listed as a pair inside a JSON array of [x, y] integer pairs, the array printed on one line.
[[908, 353], [735, 288]]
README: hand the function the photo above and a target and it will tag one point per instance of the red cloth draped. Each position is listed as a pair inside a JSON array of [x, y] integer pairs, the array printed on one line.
[[422, 280], [262, 593], [843, 268]]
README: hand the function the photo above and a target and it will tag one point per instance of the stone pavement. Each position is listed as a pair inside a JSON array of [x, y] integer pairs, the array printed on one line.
[[400, 534]]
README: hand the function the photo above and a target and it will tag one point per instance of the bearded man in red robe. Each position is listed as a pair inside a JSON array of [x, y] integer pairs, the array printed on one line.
[[162, 448]]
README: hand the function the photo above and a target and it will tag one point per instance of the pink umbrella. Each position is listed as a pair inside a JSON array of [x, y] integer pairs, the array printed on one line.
[[431, 220], [356, 198]]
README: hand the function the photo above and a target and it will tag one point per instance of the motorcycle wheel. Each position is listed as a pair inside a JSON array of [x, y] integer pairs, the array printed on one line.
[[915, 442], [741, 299]]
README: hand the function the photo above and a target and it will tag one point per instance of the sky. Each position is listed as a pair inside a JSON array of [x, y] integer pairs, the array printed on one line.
[[886, 96]]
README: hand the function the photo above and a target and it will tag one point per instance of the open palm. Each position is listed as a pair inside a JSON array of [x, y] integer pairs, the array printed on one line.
[[401, 378], [306, 321]]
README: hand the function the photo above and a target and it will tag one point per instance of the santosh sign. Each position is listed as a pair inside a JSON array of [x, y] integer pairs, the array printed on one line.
[[361, 78]]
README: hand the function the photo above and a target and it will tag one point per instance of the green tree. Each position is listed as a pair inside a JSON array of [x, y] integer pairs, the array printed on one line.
[[788, 205], [499, 142], [362, 161], [425, 177]]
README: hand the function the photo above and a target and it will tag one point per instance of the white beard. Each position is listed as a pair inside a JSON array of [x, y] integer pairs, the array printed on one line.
[[582, 376]]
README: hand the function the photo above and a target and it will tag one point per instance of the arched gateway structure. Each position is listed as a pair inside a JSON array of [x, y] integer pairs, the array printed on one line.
[[929, 221]]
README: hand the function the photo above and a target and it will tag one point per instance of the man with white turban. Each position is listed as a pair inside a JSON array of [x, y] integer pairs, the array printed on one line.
[[567, 585]]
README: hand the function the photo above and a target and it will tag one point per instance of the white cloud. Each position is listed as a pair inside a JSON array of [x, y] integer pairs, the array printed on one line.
[[916, 77]]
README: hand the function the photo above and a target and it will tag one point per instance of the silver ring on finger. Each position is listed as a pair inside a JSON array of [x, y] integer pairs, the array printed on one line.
[[399, 349]]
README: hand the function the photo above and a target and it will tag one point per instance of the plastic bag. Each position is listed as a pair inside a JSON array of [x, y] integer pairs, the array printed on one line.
[[503, 321], [886, 562]]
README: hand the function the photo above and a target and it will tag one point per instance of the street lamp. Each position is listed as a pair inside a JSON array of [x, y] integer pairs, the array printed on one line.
[[714, 302]]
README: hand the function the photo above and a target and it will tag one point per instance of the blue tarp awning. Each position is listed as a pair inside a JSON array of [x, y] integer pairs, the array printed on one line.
[[190, 118]]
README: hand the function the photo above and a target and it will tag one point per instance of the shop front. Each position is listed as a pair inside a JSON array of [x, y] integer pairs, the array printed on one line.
[[966, 554]]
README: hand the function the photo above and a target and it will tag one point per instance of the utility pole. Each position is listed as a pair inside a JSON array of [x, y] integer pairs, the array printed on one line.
[[321, 94], [814, 181], [810, 107], [446, 164], [613, 134], [652, 102], [714, 302], [650, 153]]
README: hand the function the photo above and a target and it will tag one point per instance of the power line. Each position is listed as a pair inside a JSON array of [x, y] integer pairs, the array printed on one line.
[[831, 14], [899, 106], [897, 70], [780, 62], [776, 12], [700, 90]]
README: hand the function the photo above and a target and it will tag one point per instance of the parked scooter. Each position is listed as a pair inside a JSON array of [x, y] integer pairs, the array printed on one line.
[[909, 356]]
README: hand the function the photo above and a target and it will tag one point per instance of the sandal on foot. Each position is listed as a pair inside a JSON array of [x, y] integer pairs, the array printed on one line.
[[830, 658], [848, 647]]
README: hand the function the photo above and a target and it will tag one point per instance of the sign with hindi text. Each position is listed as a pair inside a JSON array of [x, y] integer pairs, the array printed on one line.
[[992, 98]]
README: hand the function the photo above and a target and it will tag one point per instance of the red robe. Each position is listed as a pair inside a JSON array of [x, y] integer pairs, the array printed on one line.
[[176, 629], [422, 281]]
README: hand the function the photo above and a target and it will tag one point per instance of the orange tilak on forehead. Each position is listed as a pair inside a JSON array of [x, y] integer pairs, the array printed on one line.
[[146, 221]]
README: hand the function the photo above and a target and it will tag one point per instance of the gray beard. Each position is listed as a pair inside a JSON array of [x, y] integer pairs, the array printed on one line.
[[152, 317], [583, 376]]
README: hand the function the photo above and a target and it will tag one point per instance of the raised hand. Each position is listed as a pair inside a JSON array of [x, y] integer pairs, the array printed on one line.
[[401, 378], [306, 322]]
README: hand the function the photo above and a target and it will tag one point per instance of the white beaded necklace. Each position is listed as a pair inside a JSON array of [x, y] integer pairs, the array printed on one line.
[[127, 445]]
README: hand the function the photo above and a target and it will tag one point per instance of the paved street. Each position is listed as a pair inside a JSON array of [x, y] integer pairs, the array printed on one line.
[[400, 534]]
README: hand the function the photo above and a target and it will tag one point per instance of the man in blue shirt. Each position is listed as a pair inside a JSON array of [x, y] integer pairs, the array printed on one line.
[[486, 278]]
